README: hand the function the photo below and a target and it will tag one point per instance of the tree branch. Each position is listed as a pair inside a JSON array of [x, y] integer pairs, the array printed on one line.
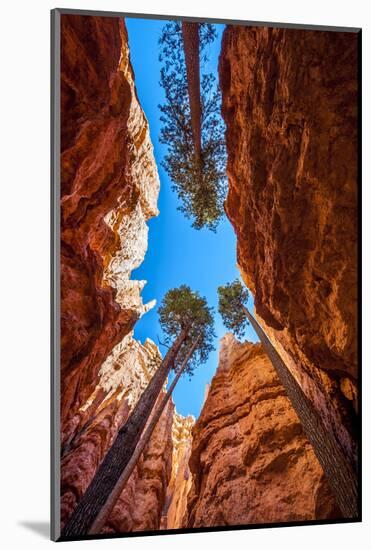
[[162, 343]]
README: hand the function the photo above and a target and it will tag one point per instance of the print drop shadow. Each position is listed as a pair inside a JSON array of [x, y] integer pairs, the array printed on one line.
[[41, 528]]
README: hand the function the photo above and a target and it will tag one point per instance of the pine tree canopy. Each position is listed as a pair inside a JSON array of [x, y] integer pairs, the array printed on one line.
[[232, 297], [184, 309], [201, 187]]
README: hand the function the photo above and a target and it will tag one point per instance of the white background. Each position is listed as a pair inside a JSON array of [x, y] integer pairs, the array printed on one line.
[[24, 305]]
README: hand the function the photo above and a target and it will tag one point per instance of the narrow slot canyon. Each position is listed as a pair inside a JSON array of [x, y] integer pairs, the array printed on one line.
[[288, 102]]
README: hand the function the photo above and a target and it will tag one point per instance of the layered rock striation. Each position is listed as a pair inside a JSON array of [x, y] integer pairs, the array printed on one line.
[[109, 188], [250, 461], [289, 100]]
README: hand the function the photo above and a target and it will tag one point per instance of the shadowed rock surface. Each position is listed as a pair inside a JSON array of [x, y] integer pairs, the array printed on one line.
[[290, 107]]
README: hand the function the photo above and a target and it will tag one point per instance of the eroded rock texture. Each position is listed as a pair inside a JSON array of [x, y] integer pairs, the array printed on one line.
[[109, 188], [124, 376], [290, 107], [140, 505], [181, 478], [250, 461]]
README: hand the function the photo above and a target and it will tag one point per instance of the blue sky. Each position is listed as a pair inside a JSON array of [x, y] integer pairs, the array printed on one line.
[[177, 254]]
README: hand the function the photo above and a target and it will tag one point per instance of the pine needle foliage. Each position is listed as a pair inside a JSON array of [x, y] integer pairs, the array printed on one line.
[[232, 299], [184, 309], [201, 186]]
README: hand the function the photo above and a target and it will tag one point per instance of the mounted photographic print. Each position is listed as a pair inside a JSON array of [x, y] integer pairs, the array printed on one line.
[[205, 202]]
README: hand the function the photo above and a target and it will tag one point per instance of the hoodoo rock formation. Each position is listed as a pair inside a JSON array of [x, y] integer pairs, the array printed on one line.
[[289, 100], [250, 461], [140, 505], [181, 479]]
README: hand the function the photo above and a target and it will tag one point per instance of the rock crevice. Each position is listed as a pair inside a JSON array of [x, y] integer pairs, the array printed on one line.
[[292, 169]]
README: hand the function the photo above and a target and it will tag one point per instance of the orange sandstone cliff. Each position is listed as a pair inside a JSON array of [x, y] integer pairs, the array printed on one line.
[[123, 377], [289, 100], [109, 188], [181, 479], [250, 461]]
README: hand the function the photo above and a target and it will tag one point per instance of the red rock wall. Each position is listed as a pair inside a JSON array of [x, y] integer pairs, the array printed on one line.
[[139, 507], [251, 462], [109, 187], [82, 458], [123, 377], [290, 107]]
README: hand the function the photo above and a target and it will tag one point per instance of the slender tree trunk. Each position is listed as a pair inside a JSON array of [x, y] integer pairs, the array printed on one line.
[[106, 510], [337, 468], [191, 40], [121, 450]]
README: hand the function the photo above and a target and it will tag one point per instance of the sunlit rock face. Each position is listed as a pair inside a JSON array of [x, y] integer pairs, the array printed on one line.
[[124, 375], [109, 189], [250, 461], [181, 478], [289, 103]]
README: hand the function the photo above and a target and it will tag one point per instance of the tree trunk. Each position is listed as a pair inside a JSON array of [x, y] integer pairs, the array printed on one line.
[[338, 470], [120, 452], [191, 40], [106, 510]]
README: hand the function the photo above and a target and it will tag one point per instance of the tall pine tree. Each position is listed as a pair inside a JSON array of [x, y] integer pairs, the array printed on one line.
[[199, 179], [185, 319]]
